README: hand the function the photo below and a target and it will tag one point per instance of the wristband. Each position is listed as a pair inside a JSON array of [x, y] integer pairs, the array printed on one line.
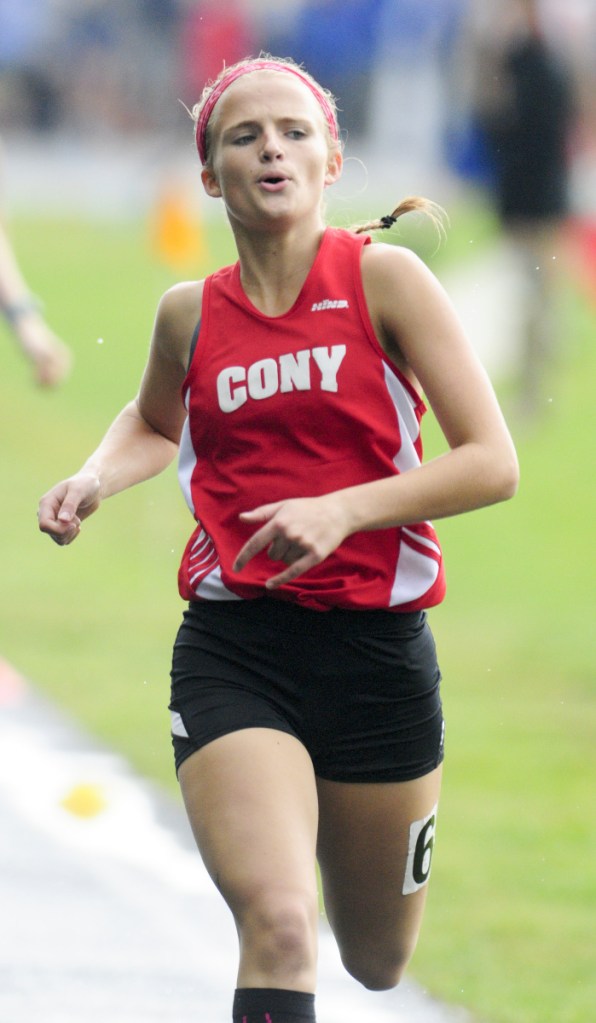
[[15, 310]]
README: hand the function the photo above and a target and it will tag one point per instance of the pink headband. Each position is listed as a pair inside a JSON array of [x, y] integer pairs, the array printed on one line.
[[245, 69]]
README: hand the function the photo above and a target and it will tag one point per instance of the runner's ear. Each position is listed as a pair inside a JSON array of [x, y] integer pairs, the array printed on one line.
[[210, 183], [334, 167]]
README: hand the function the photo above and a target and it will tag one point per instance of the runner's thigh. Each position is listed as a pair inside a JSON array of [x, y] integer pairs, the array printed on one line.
[[374, 848], [252, 804]]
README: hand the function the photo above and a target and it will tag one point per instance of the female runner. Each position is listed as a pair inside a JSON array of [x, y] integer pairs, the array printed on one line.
[[306, 715]]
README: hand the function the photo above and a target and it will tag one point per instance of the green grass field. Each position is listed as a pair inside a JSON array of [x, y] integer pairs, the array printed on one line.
[[509, 927]]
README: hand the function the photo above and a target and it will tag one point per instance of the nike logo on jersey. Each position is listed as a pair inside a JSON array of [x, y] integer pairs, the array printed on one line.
[[300, 371], [330, 303]]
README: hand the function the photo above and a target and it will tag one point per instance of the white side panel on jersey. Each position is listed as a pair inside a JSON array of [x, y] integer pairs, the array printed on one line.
[[415, 574], [407, 456], [212, 587], [187, 460]]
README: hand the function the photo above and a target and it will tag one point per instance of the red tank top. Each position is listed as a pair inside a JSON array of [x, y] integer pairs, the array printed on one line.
[[300, 405]]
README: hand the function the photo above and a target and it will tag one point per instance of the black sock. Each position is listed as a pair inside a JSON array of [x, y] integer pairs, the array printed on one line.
[[272, 1005]]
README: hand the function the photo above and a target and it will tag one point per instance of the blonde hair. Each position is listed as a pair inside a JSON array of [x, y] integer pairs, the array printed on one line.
[[412, 204], [325, 97]]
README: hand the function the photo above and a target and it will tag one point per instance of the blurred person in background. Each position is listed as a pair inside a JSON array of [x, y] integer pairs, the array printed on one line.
[[338, 41], [411, 80], [50, 358], [212, 34], [28, 94], [525, 107]]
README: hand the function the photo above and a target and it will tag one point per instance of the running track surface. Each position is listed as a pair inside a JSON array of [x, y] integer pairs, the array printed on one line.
[[108, 915]]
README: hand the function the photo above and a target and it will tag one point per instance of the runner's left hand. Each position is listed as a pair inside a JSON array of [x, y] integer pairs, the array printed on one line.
[[301, 532]]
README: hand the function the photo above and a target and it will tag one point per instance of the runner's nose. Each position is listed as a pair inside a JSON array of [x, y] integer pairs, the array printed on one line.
[[271, 148]]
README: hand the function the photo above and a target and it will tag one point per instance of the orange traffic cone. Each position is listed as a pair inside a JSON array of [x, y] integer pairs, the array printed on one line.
[[177, 234]]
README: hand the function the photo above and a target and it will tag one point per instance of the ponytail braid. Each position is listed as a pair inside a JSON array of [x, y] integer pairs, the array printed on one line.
[[412, 204]]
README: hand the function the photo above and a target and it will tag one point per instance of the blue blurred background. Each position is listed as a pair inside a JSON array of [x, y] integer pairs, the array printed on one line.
[[104, 84]]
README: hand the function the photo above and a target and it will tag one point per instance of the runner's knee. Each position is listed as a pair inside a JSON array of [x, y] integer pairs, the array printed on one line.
[[379, 967], [279, 931]]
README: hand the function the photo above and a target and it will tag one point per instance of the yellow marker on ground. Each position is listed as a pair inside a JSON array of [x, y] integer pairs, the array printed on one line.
[[86, 800]]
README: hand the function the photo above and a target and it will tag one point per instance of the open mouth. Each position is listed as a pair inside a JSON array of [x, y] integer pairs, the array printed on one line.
[[272, 182]]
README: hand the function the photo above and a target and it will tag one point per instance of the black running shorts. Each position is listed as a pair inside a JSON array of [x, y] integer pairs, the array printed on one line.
[[360, 689]]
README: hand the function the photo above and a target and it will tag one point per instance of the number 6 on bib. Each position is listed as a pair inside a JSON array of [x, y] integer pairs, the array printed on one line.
[[420, 851]]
